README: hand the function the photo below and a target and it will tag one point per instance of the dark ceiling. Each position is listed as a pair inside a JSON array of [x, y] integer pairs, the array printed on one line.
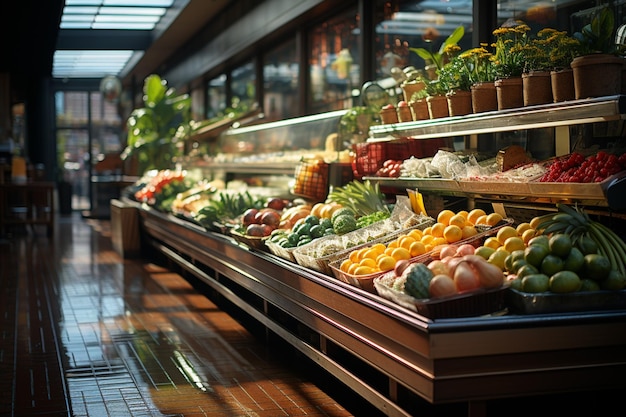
[[28, 37]]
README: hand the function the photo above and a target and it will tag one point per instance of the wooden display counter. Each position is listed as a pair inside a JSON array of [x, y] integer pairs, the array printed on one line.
[[30, 203], [390, 355]]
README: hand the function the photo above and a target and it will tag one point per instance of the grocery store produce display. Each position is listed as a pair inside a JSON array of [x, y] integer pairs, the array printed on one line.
[[415, 260]]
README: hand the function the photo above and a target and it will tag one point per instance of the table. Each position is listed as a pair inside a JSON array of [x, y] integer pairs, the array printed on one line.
[[29, 203]]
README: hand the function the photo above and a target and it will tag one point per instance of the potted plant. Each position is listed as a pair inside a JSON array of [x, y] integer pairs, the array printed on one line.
[[156, 132], [455, 76], [479, 64], [562, 49], [536, 83], [509, 61], [598, 70], [436, 59]]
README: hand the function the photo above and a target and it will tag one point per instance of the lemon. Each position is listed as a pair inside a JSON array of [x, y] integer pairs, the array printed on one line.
[[469, 231], [493, 219], [497, 258], [400, 253], [514, 243], [417, 248], [386, 263], [452, 233], [522, 227], [528, 234], [457, 220], [506, 232], [492, 242]]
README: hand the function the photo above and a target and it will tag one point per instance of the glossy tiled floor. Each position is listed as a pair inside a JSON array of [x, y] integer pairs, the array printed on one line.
[[87, 333]]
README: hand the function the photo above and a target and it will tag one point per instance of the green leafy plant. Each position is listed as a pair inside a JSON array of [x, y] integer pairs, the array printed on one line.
[[456, 75], [156, 132], [437, 58], [597, 36]]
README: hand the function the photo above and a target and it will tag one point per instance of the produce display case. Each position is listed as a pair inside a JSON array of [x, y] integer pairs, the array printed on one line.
[[394, 355]]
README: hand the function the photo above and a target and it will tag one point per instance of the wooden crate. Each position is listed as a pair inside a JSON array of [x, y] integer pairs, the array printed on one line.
[[125, 229]]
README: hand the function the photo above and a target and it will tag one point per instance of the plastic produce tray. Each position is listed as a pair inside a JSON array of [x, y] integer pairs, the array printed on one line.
[[475, 303], [545, 303]]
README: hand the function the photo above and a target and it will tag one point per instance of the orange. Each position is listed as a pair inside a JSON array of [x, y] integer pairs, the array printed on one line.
[[463, 213], [368, 262], [393, 244], [444, 216], [474, 214], [364, 270], [400, 253], [493, 219], [352, 268], [457, 220], [417, 248], [452, 233], [428, 231], [416, 234], [386, 263], [345, 265], [438, 241], [437, 229], [481, 220], [505, 232], [354, 256], [469, 231], [405, 242], [370, 254], [427, 239]]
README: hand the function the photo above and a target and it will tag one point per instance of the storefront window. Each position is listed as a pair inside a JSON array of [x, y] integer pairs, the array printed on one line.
[[243, 82], [401, 25], [333, 61], [216, 93], [280, 82], [539, 15]]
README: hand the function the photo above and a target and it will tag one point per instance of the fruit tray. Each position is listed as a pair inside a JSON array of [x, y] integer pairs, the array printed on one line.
[[285, 253], [336, 246], [254, 242], [366, 281], [546, 303], [475, 303]]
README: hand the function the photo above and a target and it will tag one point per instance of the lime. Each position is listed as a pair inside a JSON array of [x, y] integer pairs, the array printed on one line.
[[517, 264], [587, 245], [516, 284], [540, 240], [534, 254], [574, 261], [551, 264], [510, 260], [614, 281], [589, 285], [565, 281], [596, 267], [536, 283], [560, 244], [526, 270], [484, 251]]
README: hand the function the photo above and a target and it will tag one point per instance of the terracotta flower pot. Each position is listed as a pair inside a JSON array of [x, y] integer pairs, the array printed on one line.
[[537, 88], [459, 103], [509, 93], [419, 108], [437, 106], [597, 75], [562, 85], [484, 97], [411, 87]]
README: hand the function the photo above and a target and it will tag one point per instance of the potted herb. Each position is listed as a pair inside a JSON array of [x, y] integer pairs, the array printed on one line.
[[456, 77], [479, 63]]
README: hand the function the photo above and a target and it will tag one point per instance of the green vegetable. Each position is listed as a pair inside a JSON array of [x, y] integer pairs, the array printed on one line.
[[372, 218], [344, 211], [418, 278], [344, 224]]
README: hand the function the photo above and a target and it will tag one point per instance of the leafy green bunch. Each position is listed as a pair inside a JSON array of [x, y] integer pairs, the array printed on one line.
[[510, 49], [438, 57], [597, 36]]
